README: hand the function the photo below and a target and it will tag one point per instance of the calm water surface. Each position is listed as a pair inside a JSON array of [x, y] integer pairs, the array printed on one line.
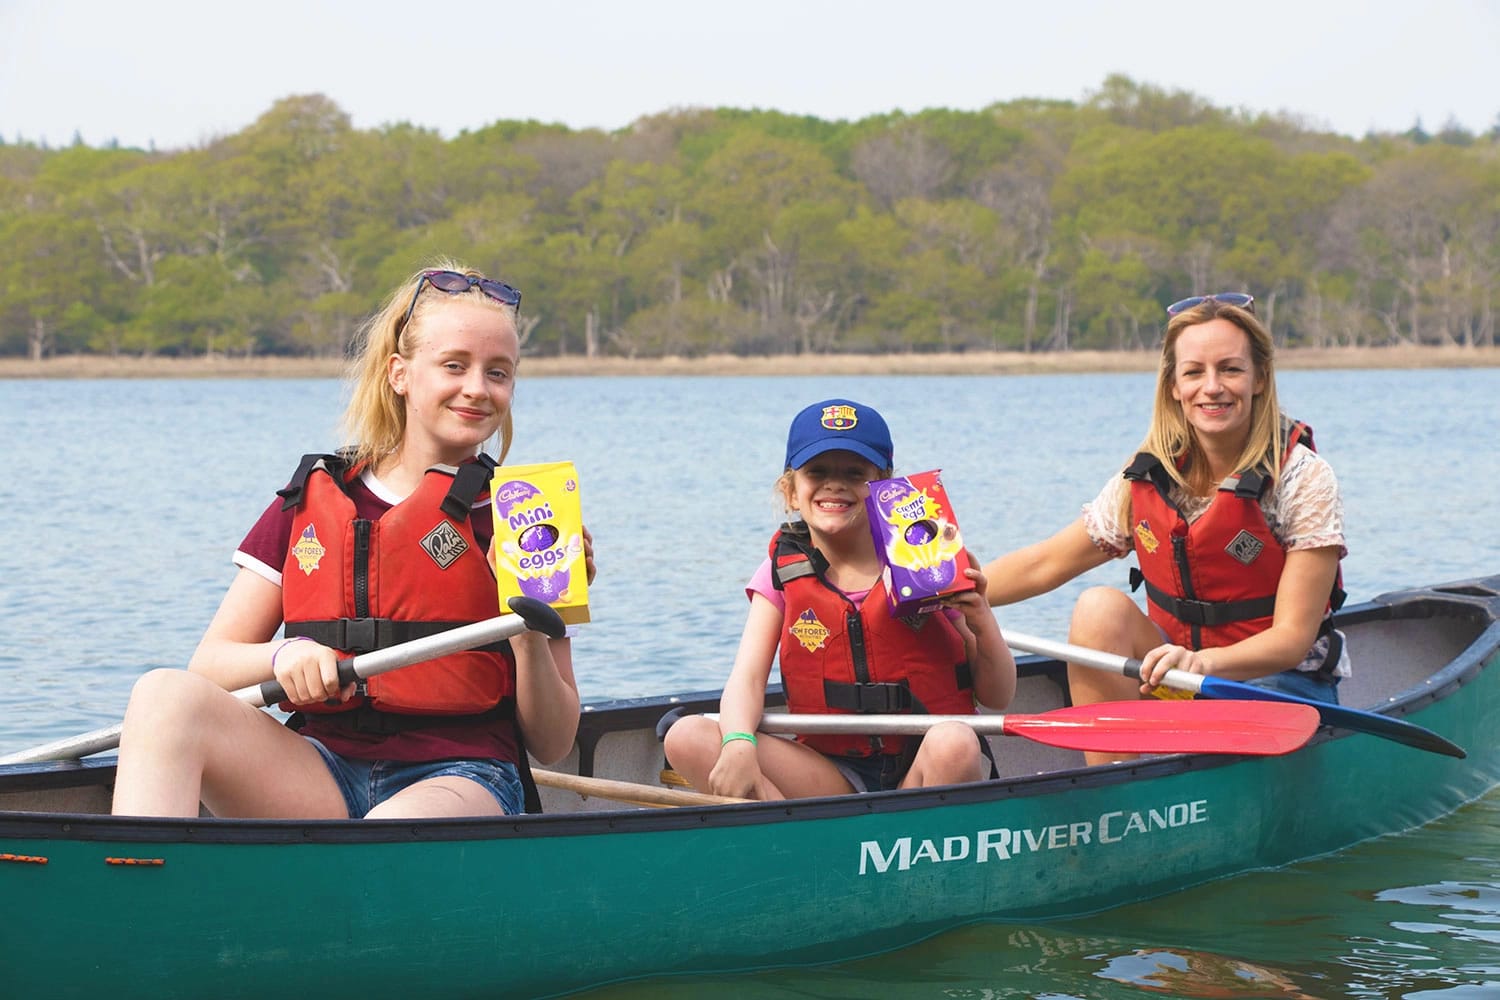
[[124, 499]]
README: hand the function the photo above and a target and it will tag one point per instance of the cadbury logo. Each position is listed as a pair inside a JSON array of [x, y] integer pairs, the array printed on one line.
[[512, 493]]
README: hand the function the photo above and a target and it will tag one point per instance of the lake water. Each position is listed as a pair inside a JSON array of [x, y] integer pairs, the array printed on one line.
[[123, 501]]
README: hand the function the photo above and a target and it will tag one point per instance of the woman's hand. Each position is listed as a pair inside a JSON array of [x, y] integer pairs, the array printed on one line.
[[1155, 664]]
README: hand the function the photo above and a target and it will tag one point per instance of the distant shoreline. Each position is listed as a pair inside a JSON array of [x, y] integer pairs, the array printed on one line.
[[969, 363]]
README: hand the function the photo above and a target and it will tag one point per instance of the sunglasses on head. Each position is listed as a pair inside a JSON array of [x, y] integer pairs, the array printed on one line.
[[455, 284], [1243, 300]]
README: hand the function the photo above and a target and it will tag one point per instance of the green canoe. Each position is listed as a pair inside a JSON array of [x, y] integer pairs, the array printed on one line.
[[594, 891]]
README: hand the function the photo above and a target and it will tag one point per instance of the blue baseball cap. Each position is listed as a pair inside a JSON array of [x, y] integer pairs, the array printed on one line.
[[839, 425]]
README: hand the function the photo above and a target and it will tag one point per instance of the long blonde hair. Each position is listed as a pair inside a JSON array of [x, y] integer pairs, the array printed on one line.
[[375, 419], [1171, 438]]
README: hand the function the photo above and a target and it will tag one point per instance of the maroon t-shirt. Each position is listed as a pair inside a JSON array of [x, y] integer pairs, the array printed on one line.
[[264, 552]]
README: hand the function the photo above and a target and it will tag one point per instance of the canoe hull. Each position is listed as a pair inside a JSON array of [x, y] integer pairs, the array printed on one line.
[[536, 906]]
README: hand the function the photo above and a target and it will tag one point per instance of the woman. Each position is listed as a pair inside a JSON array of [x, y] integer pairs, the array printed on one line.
[[344, 555], [1236, 523]]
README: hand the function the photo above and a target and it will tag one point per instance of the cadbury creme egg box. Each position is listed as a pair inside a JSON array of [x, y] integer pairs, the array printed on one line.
[[539, 537], [917, 538]]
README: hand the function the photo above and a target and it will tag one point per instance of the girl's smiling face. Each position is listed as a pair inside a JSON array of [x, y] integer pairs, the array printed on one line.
[[829, 491], [458, 383], [1215, 381]]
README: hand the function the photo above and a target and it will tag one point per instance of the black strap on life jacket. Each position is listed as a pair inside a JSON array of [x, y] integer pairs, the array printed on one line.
[[336, 464], [365, 635], [1205, 613], [469, 483], [796, 540]]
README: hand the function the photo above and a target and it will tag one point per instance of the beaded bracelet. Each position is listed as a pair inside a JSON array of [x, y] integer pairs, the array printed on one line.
[[730, 737], [284, 644]]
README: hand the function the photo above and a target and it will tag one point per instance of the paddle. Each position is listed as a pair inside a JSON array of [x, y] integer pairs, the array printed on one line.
[[527, 614], [1107, 727], [629, 791], [1217, 687]]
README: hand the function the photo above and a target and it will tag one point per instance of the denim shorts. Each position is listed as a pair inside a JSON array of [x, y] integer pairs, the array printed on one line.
[[1303, 684], [879, 772], [367, 783]]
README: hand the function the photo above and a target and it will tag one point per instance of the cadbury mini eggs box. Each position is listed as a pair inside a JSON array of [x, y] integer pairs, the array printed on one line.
[[539, 537], [916, 535]]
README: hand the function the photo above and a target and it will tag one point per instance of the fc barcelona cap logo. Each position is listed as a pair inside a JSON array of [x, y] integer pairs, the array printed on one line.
[[840, 417]]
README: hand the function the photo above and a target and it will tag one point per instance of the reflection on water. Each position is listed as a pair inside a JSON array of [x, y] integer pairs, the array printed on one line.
[[1377, 922]]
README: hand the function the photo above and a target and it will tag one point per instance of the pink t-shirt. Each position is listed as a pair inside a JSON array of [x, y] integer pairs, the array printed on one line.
[[264, 551]]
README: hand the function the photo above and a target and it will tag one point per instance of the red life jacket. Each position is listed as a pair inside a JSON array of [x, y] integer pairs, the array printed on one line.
[[359, 585], [1212, 582], [836, 658]]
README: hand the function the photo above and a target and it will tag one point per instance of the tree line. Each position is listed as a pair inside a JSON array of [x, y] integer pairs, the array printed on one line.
[[1030, 225]]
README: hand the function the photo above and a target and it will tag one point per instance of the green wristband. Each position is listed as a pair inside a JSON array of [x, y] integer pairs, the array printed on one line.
[[729, 737]]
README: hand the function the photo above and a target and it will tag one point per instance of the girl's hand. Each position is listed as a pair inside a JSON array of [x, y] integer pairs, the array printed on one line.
[[588, 556], [973, 604], [737, 771], [308, 672]]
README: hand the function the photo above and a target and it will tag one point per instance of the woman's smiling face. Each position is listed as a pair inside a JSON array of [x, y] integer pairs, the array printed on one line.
[[1215, 381]]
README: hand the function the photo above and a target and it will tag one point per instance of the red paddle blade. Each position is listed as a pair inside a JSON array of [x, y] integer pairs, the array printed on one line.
[[1242, 727]]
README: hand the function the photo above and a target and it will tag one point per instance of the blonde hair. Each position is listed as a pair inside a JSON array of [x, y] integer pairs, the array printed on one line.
[[1171, 438], [375, 419]]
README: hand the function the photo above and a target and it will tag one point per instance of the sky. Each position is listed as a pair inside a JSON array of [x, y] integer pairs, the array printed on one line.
[[179, 73]]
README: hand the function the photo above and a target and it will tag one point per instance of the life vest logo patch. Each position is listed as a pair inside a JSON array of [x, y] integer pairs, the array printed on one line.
[[308, 550], [1245, 547], [809, 631], [444, 544], [1145, 537]]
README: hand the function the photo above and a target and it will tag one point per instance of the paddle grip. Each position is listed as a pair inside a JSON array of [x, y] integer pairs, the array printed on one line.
[[272, 692], [539, 617]]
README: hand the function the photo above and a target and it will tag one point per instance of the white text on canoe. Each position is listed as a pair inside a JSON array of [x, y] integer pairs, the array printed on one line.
[[1003, 844]]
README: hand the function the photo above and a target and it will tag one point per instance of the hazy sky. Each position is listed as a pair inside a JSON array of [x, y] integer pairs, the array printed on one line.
[[179, 72]]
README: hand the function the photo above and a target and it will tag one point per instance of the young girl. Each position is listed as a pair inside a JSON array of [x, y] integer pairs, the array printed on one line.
[[817, 603], [385, 541]]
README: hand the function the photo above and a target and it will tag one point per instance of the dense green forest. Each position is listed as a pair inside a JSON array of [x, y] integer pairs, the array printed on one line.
[[1030, 225]]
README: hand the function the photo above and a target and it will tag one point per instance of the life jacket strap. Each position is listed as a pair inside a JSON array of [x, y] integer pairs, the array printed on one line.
[[1205, 613], [469, 484], [869, 699], [365, 635]]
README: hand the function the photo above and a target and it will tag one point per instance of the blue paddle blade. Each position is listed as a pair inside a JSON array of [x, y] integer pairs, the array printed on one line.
[[1353, 719]]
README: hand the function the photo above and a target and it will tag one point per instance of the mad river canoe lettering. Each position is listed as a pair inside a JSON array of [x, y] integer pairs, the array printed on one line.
[[1002, 844]]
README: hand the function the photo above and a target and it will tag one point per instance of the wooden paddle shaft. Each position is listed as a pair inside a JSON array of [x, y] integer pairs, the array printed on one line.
[[629, 791]]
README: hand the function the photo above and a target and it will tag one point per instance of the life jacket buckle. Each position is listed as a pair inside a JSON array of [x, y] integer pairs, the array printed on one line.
[[360, 635]]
